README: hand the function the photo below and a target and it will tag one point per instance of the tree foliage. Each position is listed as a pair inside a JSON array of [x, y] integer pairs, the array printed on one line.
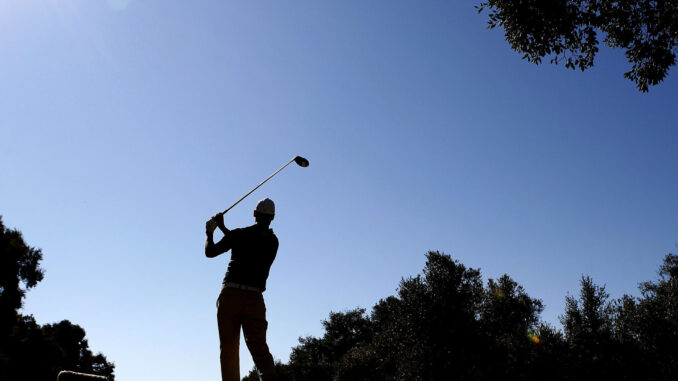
[[443, 322], [588, 330], [649, 325], [29, 351], [448, 324], [19, 265], [569, 31]]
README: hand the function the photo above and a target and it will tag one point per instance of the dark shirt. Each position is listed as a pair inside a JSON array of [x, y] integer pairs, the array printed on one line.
[[253, 250]]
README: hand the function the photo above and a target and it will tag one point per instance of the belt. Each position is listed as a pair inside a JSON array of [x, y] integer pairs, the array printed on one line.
[[241, 286]]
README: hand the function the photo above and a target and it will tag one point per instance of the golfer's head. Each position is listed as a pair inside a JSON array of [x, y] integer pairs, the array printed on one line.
[[265, 211]]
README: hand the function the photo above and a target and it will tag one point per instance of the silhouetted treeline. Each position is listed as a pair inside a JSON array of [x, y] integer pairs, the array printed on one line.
[[29, 351], [447, 324]]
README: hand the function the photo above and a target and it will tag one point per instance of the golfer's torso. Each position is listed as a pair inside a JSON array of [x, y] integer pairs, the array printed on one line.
[[253, 250]]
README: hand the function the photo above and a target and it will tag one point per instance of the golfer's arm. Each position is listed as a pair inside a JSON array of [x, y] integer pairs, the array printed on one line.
[[224, 229], [213, 249]]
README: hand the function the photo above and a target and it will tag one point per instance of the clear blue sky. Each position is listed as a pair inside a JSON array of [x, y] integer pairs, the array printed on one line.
[[125, 124]]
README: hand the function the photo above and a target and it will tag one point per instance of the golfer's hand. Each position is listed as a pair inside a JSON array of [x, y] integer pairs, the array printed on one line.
[[219, 219], [211, 225]]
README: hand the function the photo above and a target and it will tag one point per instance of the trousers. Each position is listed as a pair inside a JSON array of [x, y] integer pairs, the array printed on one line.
[[244, 309]]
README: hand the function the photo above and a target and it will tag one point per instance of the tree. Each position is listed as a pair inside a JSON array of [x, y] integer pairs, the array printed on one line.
[[588, 330], [418, 334], [568, 31], [448, 301], [549, 356], [442, 324], [654, 322], [509, 319], [27, 350], [630, 358], [19, 265], [319, 358], [40, 352]]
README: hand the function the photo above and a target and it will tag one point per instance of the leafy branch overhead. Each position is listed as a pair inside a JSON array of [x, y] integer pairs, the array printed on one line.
[[568, 31]]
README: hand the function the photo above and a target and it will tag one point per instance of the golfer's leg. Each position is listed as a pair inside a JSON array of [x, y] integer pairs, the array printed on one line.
[[254, 327], [229, 337]]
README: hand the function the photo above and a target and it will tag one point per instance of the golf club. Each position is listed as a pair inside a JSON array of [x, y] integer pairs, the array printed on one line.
[[297, 159]]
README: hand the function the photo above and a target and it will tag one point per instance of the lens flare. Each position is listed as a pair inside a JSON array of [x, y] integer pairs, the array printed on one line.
[[533, 337], [499, 293]]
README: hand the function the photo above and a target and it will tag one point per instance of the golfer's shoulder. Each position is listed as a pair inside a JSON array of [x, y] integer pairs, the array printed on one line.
[[255, 231], [238, 234], [250, 229], [238, 231], [268, 235]]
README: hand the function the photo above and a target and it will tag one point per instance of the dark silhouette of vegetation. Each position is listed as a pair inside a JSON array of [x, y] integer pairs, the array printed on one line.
[[568, 31], [446, 324], [29, 351], [282, 371]]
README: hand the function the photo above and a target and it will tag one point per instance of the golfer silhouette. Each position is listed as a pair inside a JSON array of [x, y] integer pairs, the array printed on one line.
[[241, 302]]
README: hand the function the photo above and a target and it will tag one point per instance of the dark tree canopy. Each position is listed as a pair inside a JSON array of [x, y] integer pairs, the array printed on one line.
[[441, 325], [29, 351], [588, 330], [446, 324], [19, 265], [568, 31]]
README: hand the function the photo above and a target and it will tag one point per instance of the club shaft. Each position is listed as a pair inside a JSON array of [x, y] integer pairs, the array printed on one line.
[[260, 184]]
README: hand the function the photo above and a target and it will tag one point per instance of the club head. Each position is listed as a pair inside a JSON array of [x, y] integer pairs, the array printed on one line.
[[301, 161]]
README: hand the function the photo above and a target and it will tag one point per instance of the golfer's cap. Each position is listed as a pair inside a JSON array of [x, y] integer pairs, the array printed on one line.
[[265, 206]]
